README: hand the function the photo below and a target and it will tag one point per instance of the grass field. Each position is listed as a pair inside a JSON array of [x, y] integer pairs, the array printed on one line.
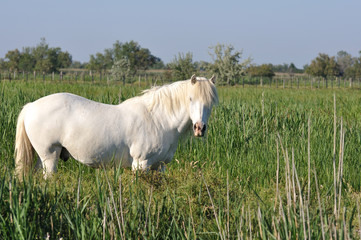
[[276, 164]]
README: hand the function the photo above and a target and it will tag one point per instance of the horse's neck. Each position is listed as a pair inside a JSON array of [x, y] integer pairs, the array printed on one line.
[[180, 121], [184, 122]]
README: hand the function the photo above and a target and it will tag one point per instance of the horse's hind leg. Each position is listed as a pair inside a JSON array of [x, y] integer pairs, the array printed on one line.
[[38, 165], [49, 159]]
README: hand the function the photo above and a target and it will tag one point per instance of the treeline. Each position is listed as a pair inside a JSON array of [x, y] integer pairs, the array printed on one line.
[[342, 65], [125, 60], [41, 58], [136, 57]]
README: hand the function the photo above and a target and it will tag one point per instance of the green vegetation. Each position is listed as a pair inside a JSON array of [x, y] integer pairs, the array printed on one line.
[[126, 60], [276, 164], [343, 65], [264, 70], [182, 66], [41, 58], [226, 64], [139, 58], [324, 66]]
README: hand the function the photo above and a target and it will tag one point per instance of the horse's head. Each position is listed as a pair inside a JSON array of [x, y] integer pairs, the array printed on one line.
[[202, 96]]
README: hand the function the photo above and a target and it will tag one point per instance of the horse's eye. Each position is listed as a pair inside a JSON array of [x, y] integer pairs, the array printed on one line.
[[190, 99]]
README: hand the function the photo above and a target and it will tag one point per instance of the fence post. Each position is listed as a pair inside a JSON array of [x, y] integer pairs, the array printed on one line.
[[27, 76], [52, 77], [284, 82], [350, 82], [291, 81]]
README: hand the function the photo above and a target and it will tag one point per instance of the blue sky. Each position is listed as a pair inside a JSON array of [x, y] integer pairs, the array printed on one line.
[[274, 32]]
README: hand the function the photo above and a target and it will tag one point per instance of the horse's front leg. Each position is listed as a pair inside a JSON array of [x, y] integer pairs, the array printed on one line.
[[140, 165]]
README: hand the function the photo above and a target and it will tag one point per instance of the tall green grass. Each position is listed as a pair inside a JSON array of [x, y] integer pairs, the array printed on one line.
[[276, 164]]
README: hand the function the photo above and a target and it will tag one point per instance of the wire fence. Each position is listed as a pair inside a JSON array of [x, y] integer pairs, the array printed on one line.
[[146, 78], [152, 78]]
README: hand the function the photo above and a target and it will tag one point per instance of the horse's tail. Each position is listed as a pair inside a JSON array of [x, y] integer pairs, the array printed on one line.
[[24, 151]]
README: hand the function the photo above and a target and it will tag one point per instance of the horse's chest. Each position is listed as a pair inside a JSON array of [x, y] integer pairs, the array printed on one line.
[[157, 148]]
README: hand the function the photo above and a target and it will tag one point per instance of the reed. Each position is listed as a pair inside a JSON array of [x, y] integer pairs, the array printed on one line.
[[284, 169]]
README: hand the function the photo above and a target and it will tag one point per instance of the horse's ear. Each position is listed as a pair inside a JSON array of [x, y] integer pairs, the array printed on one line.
[[193, 79], [213, 79]]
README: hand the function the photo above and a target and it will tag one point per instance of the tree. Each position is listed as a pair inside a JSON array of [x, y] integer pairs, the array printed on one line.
[[40, 58], [182, 66], [354, 71], [323, 66], [3, 64], [108, 58], [100, 61], [344, 61], [27, 60], [120, 69], [292, 69], [77, 65], [64, 60], [138, 57], [96, 63], [13, 60], [264, 70], [286, 68], [202, 65], [226, 63], [158, 65], [42, 62]]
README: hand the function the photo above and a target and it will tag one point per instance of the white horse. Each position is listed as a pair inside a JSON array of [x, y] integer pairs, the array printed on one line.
[[142, 132]]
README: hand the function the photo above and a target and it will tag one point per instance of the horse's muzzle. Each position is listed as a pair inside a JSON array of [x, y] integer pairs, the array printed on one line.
[[199, 128]]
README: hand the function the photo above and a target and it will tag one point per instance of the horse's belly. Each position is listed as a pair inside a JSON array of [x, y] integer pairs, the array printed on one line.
[[96, 158]]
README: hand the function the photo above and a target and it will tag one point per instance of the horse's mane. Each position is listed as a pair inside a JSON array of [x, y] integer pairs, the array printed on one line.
[[172, 96]]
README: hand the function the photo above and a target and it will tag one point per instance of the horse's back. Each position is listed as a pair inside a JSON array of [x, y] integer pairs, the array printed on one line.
[[84, 127], [57, 112]]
